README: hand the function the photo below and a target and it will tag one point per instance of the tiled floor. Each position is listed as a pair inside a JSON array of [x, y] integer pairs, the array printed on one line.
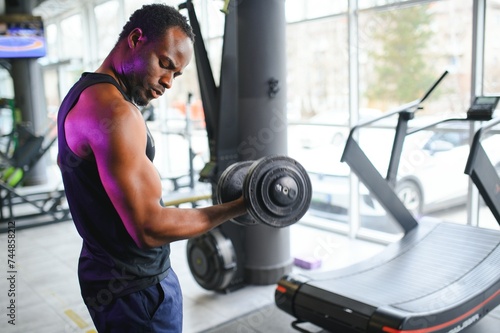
[[47, 293]]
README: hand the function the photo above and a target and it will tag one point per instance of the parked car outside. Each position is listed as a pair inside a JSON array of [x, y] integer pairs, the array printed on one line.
[[431, 173]]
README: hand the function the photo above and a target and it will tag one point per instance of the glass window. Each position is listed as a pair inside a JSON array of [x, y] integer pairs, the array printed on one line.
[[6, 82], [132, 5], [51, 84], [318, 91], [491, 83], [300, 10], [108, 27], [71, 38], [403, 51], [212, 20], [7, 123], [403, 47], [317, 60], [52, 47], [374, 3]]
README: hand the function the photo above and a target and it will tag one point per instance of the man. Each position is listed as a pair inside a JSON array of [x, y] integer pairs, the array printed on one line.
[[112, 186]]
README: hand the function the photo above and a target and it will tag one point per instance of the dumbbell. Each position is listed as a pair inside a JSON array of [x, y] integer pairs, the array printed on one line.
[[276, 189]]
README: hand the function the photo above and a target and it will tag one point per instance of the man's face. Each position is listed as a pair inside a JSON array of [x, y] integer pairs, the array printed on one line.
[[154, 65]]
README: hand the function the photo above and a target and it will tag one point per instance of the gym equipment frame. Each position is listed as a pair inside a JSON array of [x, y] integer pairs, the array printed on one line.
[[482, 171], [439, 277], [40, 207]]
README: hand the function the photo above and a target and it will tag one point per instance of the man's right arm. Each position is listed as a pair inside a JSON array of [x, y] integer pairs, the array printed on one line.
[[133, 184]]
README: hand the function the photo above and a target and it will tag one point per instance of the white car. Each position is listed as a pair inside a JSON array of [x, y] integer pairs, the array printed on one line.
[[431, 173]]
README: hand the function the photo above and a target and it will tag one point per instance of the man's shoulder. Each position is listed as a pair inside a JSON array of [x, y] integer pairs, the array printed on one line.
[[104, 90], [104, 96], [99, 105]]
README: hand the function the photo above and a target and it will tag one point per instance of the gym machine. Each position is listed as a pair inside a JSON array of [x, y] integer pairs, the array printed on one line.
[[21, 154], [481, 169], [439, 277]]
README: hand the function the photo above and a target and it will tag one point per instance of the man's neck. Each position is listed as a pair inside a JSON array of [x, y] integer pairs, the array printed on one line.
[[109, 68]]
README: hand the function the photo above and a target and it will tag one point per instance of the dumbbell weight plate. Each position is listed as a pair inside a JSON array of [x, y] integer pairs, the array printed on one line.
[[277, 190], [230, 187]]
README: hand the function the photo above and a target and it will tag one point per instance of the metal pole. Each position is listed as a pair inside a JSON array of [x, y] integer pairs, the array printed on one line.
[[354, 218], [478, 19]]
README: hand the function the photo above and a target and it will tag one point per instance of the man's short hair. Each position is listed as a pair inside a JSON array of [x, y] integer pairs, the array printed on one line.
[[154, 20]]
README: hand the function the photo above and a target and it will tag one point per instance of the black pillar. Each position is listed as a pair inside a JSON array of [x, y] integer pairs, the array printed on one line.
[[261, 28], [29, 92]]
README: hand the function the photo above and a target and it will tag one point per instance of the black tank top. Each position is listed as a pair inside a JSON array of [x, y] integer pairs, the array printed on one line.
[[111, 264]]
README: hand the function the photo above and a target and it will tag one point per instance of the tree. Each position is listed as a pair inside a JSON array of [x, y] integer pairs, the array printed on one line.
[[401, 71]]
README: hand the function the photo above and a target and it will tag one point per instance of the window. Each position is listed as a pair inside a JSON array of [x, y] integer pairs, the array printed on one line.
[[107, 18], [403, 50], [52, 47], [491, 85], [6, 83], [403, 47], [71, 38], [302, 10]]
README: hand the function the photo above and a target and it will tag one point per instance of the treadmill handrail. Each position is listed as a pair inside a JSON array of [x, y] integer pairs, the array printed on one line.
[[359, 163], [382, 188], [482, 172], [409, 107], [486, 127], [434, 124], [403, 108]]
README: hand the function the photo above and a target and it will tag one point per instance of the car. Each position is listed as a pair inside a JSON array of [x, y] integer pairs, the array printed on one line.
[[430, 175], [326, 128]]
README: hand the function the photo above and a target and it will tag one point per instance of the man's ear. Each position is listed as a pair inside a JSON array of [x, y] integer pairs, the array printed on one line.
[[134, 37]]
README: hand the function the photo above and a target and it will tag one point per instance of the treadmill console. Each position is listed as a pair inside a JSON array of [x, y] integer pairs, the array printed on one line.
[[483, 107]]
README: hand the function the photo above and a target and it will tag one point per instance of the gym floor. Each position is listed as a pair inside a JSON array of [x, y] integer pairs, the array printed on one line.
[[47, 293]]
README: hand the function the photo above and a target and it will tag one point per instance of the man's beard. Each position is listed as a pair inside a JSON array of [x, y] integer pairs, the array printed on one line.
[[138, 97], [137, 88]]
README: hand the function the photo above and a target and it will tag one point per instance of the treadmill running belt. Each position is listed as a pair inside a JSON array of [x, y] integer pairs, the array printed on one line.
[[434, 279]]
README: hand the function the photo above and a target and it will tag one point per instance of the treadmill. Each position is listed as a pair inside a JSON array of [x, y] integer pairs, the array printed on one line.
[[439, 277]]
